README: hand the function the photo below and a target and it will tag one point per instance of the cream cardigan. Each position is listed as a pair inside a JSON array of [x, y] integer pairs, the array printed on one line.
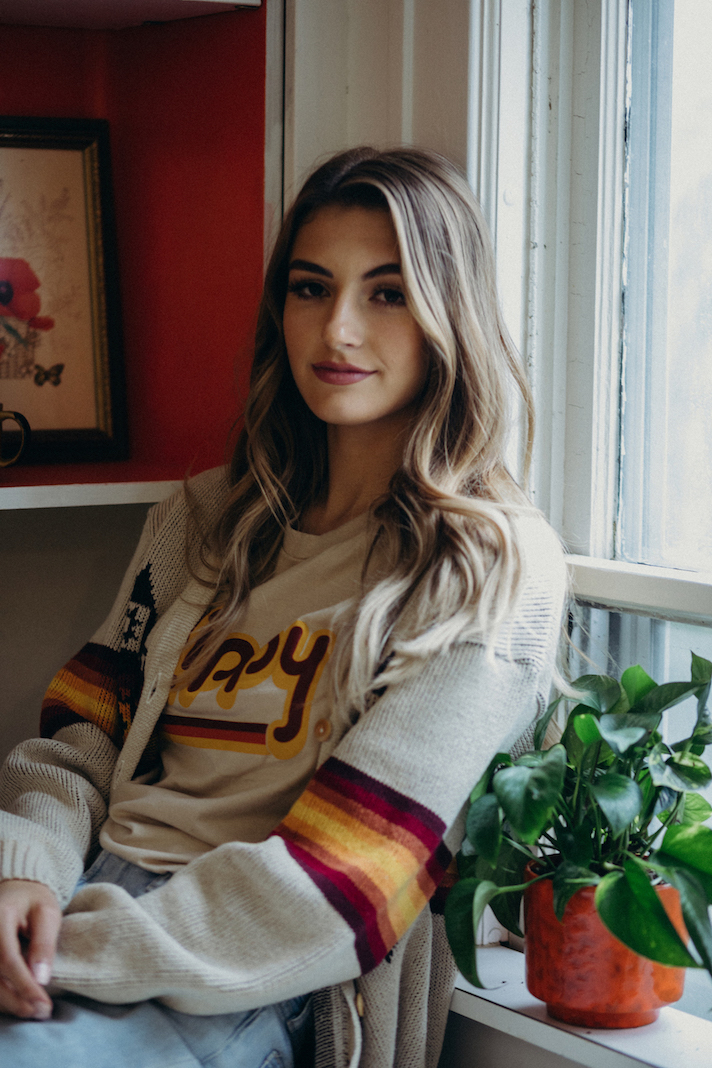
[[342, 895]]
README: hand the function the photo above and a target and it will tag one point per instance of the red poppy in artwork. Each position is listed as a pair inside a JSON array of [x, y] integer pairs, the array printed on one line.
[[18, 283], [41, 322]]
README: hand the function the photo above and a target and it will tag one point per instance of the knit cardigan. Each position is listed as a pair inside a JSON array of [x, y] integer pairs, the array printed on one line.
[[342, 898]]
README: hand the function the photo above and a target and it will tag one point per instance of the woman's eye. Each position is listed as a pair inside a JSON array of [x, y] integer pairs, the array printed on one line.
[[389, 295], [307, 289]]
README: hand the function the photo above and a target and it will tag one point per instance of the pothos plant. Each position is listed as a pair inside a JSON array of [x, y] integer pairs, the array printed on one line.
[[611, 805]]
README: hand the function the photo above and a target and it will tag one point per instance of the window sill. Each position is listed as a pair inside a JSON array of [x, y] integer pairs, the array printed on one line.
[[682, 596], [674, 1039]]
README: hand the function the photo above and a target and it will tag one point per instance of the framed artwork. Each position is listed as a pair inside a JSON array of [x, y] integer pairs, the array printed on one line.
[[61, 360]]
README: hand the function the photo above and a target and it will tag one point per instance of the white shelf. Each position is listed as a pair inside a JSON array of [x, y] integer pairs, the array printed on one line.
[[109, 14], [676, 1038], [15, 497]]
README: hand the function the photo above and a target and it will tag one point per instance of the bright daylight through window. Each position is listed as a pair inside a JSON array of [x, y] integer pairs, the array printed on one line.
[[666, 447]]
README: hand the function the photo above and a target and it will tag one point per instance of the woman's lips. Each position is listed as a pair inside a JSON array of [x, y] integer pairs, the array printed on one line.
[[339, 374]]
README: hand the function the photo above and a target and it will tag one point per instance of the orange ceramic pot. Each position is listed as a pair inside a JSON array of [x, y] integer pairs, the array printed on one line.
[[583, 973]]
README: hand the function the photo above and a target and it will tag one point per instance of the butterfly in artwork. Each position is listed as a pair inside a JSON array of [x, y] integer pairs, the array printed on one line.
[[52, 374]]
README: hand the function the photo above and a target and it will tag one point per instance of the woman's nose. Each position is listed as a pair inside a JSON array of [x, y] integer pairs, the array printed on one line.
[[343, 327]]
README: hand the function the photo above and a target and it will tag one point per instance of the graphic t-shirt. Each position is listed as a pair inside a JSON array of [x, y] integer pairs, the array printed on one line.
[[240, 743]]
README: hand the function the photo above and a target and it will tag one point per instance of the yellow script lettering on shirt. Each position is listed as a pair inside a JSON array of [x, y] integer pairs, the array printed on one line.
[[293, 659]]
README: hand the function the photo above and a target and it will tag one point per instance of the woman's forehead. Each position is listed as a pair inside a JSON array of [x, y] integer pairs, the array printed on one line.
[[338, 229]]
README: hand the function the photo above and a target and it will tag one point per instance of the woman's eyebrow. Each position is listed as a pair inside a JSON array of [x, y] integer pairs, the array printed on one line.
[[306, 265], [315, 268], [385, 268]]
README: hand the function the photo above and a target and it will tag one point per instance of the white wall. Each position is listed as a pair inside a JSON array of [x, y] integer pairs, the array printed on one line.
[[377, 72]]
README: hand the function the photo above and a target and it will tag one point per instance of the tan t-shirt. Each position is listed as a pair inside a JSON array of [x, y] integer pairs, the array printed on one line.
[[239, 746]]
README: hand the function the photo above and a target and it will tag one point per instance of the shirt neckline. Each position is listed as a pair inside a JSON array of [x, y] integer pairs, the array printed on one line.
[[301, 546]]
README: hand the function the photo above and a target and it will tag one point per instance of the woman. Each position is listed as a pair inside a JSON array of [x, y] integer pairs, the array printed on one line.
[[273, 741]]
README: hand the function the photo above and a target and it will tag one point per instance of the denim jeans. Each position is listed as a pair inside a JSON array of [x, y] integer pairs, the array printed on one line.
[[83, 1033]]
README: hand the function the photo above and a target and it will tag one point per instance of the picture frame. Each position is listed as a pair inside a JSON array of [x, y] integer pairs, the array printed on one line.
[[61, 349]]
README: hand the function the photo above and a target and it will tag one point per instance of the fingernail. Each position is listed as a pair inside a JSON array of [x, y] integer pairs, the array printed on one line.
[[41, 1011], [42, 972]]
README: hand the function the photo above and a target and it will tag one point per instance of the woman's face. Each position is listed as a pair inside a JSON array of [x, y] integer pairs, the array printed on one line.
[[355, 350]]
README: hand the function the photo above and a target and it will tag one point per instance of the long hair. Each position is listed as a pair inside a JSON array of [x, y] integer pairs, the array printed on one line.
[[443, 533]]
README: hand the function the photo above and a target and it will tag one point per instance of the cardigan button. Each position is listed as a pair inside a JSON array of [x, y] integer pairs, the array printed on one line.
[[322, 730]]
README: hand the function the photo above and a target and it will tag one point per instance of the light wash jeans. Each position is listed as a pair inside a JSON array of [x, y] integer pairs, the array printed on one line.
[[90, 1034]]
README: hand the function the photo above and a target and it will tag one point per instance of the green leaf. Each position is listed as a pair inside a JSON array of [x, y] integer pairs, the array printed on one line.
[[701, 669], [702, 734], [576, 845], [665, 802], [679, 772], [623, 730], [696, 810], [665, 696], [483, 783], [695, 913], [693, 845], [464, 907], [568, 878], [690, 769], [458, 925], [599, 692], [620, 799], [665, 865], [14, 333], [484, 827], [636, 684], [530, 760], [586, 727], [701, 672], [467, 865], [633, 912], [509, 872], [543, 723], [575, 749], [529, 795]]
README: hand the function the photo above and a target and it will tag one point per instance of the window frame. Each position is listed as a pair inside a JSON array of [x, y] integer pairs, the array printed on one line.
[[572, 271]]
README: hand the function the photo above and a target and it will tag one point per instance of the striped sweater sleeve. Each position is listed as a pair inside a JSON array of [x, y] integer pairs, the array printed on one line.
[[93, 687], [376, 855]]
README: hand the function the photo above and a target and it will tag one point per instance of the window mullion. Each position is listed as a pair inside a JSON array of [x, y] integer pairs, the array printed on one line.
[[609, 278], [546, 350]]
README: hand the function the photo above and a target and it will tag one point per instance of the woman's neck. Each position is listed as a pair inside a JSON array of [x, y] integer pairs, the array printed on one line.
[[362, 461]]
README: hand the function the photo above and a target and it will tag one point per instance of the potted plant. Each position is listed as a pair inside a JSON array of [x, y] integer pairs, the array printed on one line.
[[603, 833]]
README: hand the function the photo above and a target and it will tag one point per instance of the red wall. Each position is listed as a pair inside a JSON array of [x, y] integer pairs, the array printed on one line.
[[185, 103]]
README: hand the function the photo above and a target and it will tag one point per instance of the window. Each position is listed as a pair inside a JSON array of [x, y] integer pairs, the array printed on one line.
[[615, 266], [665, 505]]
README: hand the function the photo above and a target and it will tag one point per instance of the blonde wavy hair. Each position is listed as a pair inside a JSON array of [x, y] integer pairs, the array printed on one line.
[[443, 533]]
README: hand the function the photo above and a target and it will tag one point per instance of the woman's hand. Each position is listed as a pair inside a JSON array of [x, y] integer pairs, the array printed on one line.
[[30, 918]]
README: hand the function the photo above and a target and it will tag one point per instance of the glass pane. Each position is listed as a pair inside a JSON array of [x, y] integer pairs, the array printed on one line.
[[666, 506], [611, 641]]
